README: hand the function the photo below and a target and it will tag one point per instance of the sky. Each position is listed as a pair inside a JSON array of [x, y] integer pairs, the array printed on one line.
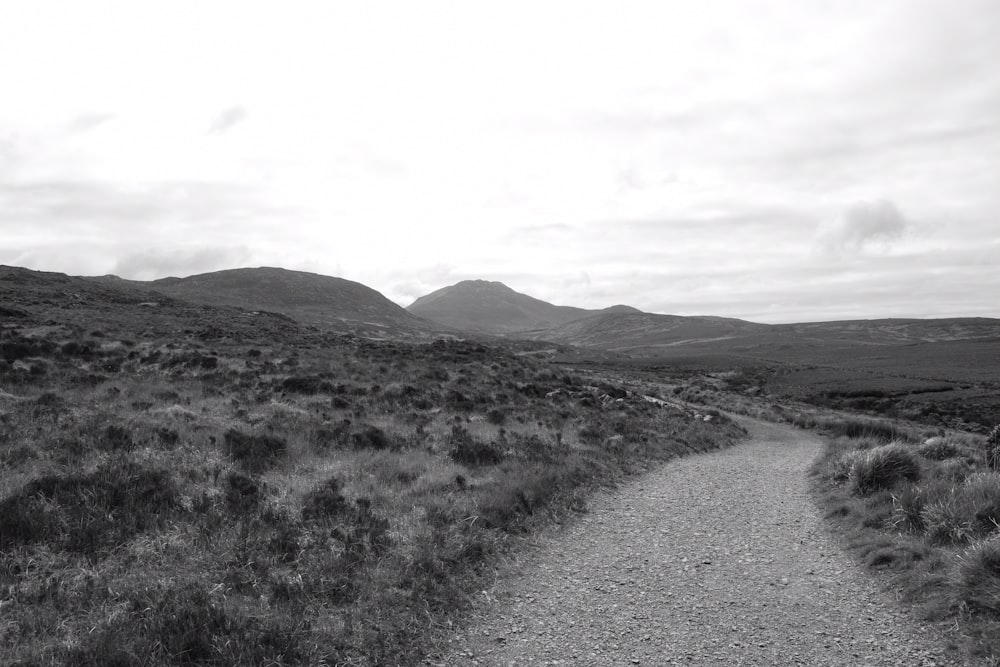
[[773, 161]]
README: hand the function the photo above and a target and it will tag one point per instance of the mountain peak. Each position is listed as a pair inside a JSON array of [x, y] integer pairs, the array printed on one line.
[[492, 307]]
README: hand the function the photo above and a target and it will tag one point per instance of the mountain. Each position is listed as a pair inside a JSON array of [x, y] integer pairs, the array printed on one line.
[[483, 306], [324, 301]]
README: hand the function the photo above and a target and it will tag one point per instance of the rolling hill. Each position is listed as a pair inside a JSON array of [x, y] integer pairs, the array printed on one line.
[[483, 306], [621, 331], [309, 298]]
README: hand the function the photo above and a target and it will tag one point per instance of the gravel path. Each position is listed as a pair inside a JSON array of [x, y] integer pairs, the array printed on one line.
[[717, 559]]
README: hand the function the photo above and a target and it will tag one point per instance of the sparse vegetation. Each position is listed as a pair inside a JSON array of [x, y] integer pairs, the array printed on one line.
[[241, 490]]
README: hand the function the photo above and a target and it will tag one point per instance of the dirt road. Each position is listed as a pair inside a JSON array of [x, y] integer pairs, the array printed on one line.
[[716, 559]]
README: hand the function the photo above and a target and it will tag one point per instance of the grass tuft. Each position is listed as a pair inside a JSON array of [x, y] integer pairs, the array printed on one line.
[[979, 575], [882, 468]]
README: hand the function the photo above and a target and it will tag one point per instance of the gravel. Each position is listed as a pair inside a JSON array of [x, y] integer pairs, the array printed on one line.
[[716, 559]]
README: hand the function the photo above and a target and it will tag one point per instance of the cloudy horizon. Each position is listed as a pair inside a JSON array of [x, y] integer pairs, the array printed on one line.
[[766, 160]]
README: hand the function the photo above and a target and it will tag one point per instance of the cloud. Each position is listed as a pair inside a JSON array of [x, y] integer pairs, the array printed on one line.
[[862, 224], [228, 119], [88, 121], [49, 204], [154, 263]]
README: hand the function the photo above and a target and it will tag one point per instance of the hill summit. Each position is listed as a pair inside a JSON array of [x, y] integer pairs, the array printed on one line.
[[310, 298], [492, 307]]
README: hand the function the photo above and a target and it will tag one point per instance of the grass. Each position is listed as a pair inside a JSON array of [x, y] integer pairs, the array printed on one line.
[[926, 514], [245, 491]]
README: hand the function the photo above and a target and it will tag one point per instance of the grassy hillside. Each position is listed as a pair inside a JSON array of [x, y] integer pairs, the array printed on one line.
[[185, 484], [646, 333], [324, 301]]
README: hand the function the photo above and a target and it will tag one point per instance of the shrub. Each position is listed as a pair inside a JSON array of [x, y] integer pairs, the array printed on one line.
[[254, 452], [882, 468], [332, 435], [74, 348], [372, 437], [496, 416], [308, 385], [117, 438], [979, 575], [370, 534], [243, 493], [186, 625], [467, 450], [325, 501], [87, 513]]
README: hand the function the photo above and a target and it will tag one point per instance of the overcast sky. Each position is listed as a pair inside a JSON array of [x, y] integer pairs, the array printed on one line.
[[775, 161]]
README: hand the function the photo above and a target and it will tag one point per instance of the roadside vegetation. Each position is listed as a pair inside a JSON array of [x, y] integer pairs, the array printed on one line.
[[234, 491], [925, 509]]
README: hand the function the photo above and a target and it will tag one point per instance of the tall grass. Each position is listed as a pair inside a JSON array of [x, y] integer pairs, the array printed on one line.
[[928, 513]]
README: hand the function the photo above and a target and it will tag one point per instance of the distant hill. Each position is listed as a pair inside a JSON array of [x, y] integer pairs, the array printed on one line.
[[898, 331], [68, 306], [619, 331], [309, 298], [483, 306]]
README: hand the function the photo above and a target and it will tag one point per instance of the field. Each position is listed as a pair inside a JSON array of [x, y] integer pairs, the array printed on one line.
[[187, 484], [946, 384]]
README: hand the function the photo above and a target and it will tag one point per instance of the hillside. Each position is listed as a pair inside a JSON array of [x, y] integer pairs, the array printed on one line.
[[324, 301], [898, 331], [621, 331], [183, 483], [491, 307]]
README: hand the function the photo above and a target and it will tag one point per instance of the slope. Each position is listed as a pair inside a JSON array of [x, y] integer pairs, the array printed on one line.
[[491, 307]]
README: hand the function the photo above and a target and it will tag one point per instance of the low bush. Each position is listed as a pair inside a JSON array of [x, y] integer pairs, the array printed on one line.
[[243, 493], [882, 468], [186, 626], [308, 385], [465, 449], [255, 452], [88, 513], [372, 437], [325, 501], [116, 438]]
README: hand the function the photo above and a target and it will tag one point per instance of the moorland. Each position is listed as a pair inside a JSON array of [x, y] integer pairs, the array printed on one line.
[[185, 483], [269, 467]]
